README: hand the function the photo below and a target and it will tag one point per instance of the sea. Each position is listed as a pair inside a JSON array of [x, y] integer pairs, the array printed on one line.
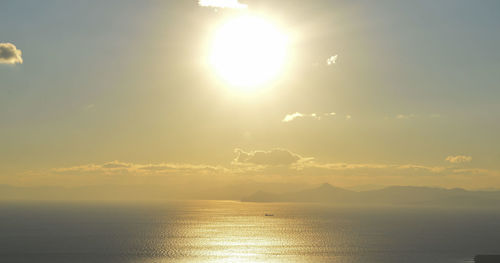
[[231, 231]]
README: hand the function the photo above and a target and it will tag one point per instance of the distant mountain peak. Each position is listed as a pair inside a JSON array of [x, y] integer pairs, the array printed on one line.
[[326, 186]]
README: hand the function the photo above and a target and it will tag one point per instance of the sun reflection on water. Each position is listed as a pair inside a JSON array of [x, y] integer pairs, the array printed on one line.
[[240, 232], [247, 237]]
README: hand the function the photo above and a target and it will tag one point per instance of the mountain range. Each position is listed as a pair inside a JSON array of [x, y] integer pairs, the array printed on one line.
[[396, 195], [269, 192]]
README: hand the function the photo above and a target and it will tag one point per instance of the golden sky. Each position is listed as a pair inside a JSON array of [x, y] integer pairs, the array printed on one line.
[[216, 92]]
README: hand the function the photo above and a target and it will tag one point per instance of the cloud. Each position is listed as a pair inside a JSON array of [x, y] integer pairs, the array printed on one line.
[[116, 164], [271, 157], [293, 116], [9, 54], [459, 159], [235, 4], [269, 163], [272, 162], [316, 116], [475, 171], [282, 162], [332, 60], [274, 165], [89, 107], [123, 168], [405, 116], [370, 169], [417, 116]]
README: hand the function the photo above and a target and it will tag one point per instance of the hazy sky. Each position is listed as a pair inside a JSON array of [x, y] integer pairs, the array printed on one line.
[[121, 91]]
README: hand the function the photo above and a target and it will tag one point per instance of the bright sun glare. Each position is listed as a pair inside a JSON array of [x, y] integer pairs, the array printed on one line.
[[248, 51]]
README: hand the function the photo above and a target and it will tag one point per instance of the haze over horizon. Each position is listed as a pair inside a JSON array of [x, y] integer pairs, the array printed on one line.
[[147, 94]]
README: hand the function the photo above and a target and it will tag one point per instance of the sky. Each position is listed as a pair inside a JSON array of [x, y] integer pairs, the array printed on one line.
[[371, 93]]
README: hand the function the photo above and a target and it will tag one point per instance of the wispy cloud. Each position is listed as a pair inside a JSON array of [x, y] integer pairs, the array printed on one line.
[[332, 60], [293, 116], [320, 116], [277, 161], [411, 116], [272, 157], [459, 159], [405, 116], [124, 168], [9, 54], [235, 4], [89, 107], [284, 162], [316, 116]]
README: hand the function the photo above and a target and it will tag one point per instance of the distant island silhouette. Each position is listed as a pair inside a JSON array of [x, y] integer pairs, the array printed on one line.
[[399, 195], [248, 192]]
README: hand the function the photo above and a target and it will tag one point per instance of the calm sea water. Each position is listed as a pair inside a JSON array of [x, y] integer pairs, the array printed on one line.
[[224, 231]]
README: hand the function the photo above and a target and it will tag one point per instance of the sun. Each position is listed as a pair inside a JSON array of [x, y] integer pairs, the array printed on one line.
[[248, 51]]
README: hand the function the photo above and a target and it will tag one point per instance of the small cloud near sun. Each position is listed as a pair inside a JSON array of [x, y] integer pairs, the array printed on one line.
[[222, 4], [332, 60], [9, 54], [315, 116], [291, 117]]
